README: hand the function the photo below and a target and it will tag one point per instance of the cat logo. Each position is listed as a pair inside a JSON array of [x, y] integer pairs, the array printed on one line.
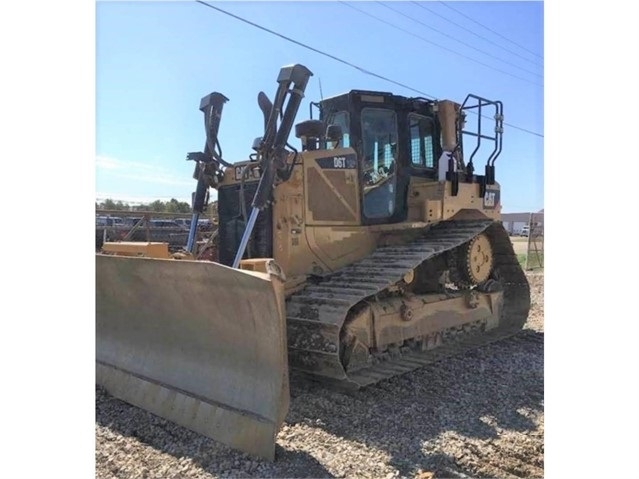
[[491, 198], [253, 173]]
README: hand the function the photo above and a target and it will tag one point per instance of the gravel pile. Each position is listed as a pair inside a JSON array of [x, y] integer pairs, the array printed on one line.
[[480, 414]]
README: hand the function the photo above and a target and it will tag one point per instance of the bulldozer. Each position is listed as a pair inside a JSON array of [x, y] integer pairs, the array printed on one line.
[[371, 248]]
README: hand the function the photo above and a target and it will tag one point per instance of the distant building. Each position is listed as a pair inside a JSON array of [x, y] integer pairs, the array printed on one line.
[[514, 222]]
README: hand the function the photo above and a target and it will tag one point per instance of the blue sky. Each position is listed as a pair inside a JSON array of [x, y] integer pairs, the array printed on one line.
[[155, 60]]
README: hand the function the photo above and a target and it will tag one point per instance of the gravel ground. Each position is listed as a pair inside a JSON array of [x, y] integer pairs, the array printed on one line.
[[480, 414]]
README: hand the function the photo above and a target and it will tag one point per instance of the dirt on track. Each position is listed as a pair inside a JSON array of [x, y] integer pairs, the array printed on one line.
[[480, 414]]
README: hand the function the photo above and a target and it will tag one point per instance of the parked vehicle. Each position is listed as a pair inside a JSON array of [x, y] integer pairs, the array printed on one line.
[[131, 221], [109, 228], [165, 224], [108, 221], [185, 222]]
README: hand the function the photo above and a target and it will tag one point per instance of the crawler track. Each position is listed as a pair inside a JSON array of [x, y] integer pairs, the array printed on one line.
[[316, 315]]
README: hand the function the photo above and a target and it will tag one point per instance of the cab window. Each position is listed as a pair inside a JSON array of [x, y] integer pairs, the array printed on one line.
[[421, 141], [341, 119]]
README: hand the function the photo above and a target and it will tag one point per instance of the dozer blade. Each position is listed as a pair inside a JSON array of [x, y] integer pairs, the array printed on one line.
[[197, 343]]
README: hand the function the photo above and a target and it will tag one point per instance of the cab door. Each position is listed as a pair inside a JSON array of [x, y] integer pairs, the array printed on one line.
[[379, 165]]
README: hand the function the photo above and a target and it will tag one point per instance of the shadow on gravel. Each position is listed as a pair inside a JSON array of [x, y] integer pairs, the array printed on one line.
[[212, 457], [476, 395]]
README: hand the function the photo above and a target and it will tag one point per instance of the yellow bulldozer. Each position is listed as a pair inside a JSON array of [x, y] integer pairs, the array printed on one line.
[[368, 250]]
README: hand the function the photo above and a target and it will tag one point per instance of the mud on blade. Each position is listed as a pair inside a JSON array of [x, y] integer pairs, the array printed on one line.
[[197, 343]]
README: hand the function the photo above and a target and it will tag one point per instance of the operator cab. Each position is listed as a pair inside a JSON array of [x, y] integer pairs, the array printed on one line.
[[399, 140], [395, 138]]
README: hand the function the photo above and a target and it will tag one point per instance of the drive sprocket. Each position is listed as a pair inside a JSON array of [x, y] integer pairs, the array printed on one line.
[[475, 260]]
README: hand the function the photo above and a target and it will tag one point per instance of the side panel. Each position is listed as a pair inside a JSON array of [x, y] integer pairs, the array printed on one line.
[[332, 188], [316, 215], [290, 247], [198, 343], [432, 201], [333, 209]]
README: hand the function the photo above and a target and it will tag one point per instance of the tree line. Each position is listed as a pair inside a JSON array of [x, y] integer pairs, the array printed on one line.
[[157, 206]]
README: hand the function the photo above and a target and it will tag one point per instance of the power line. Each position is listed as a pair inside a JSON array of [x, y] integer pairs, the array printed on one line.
[[333, 57], [491, 30], [438, 45], [458, 40], [520, 128], [420, 5]]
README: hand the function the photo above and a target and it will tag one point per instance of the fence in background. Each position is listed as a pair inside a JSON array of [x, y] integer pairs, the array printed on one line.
[[535, 249]]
